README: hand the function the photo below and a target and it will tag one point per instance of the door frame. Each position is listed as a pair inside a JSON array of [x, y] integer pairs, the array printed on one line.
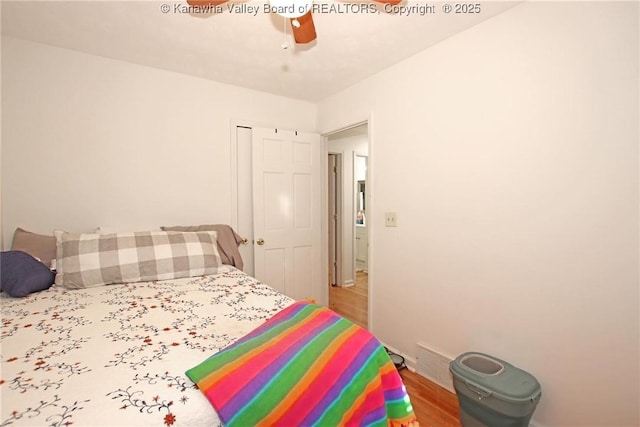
[[339, 232], [370, 202]]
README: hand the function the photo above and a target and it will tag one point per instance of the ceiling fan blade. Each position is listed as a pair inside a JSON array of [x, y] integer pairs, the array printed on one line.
[[391, 2], [204, 3], [306, 32]]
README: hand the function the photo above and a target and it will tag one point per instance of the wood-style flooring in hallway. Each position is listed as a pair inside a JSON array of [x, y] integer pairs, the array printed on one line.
[[352, 302]]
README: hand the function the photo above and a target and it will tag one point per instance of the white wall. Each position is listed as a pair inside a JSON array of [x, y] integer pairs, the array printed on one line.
[[89, 141], [510, 153], [348, 147]]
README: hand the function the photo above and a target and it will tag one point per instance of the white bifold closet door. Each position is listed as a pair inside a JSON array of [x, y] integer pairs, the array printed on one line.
[[287, 213]]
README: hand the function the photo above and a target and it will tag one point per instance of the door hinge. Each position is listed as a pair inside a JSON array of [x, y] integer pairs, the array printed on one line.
[[335, 170]]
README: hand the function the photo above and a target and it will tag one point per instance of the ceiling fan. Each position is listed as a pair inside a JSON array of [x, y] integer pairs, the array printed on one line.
[[297, 11]]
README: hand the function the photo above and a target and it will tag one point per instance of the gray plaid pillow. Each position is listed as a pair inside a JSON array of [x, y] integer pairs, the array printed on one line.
[[88, 260]]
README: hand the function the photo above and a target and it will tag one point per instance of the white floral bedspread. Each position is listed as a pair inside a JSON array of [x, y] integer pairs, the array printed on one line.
[[117, 355]]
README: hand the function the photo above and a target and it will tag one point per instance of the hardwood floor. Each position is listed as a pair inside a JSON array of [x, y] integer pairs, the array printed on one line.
[[434, 406], [352, 302]]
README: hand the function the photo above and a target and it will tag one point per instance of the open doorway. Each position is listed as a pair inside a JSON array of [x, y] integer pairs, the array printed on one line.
[[349, 236]]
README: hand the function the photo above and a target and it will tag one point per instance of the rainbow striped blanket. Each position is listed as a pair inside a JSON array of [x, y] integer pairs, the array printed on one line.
[[306, 366]]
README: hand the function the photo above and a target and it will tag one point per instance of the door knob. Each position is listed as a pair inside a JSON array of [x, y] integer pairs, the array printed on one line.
[[260, 241]]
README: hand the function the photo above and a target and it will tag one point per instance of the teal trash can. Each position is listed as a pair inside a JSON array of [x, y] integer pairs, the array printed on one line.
[[492, 392]]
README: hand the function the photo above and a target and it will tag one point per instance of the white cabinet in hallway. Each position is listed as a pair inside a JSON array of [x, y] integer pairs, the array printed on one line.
[[362, 248]]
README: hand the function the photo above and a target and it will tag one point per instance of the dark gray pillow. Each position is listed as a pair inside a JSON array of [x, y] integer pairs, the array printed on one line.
[[22, 274]]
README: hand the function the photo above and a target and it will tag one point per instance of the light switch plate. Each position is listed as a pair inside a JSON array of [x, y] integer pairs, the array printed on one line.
[[390, 219]]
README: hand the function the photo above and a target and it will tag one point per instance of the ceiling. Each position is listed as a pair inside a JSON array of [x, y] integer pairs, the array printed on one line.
[[238, 47]]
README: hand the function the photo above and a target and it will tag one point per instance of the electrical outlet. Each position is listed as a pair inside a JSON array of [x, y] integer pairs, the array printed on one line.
[[390, 219]]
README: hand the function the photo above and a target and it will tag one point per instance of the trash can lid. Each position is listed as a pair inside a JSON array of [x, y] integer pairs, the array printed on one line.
[[497, 377]]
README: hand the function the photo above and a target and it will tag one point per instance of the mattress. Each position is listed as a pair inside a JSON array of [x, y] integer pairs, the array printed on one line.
[[117, 355]]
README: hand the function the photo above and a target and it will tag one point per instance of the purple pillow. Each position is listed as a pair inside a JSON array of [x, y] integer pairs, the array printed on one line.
[[22, 274]]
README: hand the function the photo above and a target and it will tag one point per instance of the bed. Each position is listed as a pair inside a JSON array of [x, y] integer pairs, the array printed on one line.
[[212, 349]]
